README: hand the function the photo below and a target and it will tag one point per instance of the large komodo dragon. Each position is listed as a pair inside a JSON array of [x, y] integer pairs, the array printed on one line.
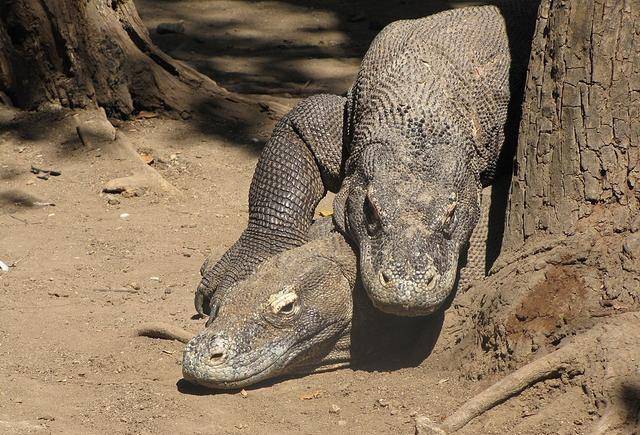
[[300, 312], [407, 151]]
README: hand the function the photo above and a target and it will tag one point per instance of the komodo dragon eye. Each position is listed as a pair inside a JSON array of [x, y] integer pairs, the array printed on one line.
[[285, 303], [372, 217]]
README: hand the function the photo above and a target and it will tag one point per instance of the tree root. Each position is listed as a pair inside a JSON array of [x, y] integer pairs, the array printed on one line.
[[561, 361], [566, 360], [95, 130], [164, 331], [614, 341], [153, 177]]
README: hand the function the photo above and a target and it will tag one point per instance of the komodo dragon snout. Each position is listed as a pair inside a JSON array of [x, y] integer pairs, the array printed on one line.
[[291, 314]]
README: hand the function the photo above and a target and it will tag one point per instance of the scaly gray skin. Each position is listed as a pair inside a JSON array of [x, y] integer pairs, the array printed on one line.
[[298, 313], [408, 151]]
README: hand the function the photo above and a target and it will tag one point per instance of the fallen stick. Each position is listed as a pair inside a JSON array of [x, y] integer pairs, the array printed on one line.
[[164, 331], [563, 360]]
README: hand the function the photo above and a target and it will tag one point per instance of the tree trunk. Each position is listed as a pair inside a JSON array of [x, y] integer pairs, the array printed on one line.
[[579, 135], [95, 52]]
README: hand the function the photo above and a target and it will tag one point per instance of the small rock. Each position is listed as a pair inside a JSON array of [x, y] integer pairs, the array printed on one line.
[[176, 27], [342, 423], [4, 267], [243, 393], [631, 246], [124, 216], [129, 193], [47, 418], [382, 402], [335, 409], [112, 200], [635, 224], [127, 186], [424, 426], [167, 291], [155, 278], [134, 285], [539, 265]]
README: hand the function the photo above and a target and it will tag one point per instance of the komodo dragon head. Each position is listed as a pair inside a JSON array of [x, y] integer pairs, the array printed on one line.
[[410, 210], [295, 315]]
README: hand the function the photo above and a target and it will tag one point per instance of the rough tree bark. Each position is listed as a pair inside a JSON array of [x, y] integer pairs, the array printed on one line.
[[96, 52], [580, 131], [567, 282]]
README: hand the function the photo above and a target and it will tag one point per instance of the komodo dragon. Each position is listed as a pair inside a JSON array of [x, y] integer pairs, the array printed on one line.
[[300, 312], [407, 151]]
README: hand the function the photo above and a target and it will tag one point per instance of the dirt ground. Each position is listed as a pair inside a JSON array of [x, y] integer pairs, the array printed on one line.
[[88, 268]]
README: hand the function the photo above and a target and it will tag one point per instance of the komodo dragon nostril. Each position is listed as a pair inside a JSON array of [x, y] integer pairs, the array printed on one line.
[[216, 357]]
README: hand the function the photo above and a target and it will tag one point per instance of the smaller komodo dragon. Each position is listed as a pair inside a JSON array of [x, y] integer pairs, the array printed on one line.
[[301, 312]]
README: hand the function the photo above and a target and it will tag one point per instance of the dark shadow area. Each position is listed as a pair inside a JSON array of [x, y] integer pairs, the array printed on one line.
[[270, 48], [287, 49], [630, 395], [54, 126], [186, 387], [16, 198], [520, 27], [381, 341], [10, 172], [32, 126]]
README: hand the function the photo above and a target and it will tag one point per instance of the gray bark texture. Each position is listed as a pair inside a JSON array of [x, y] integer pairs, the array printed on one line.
[[579, 135], [81, 54]]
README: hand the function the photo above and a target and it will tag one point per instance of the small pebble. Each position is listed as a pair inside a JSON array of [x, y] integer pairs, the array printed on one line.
[[243, 393], [124, 216], [335, 409], [177, 27]]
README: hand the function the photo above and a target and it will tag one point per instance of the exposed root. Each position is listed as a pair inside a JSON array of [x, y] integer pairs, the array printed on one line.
[[154, 179], [608, 422], [95, 130], [164, 331], [563, 360]]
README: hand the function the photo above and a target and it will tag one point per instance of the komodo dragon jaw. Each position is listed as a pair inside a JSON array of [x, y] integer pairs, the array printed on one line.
[[291, 316]]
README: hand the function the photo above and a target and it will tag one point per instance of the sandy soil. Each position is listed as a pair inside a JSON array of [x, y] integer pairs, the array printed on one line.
[[89, 269]]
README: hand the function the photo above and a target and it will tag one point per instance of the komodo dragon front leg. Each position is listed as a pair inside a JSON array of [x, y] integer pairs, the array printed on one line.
[[300, 162]]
